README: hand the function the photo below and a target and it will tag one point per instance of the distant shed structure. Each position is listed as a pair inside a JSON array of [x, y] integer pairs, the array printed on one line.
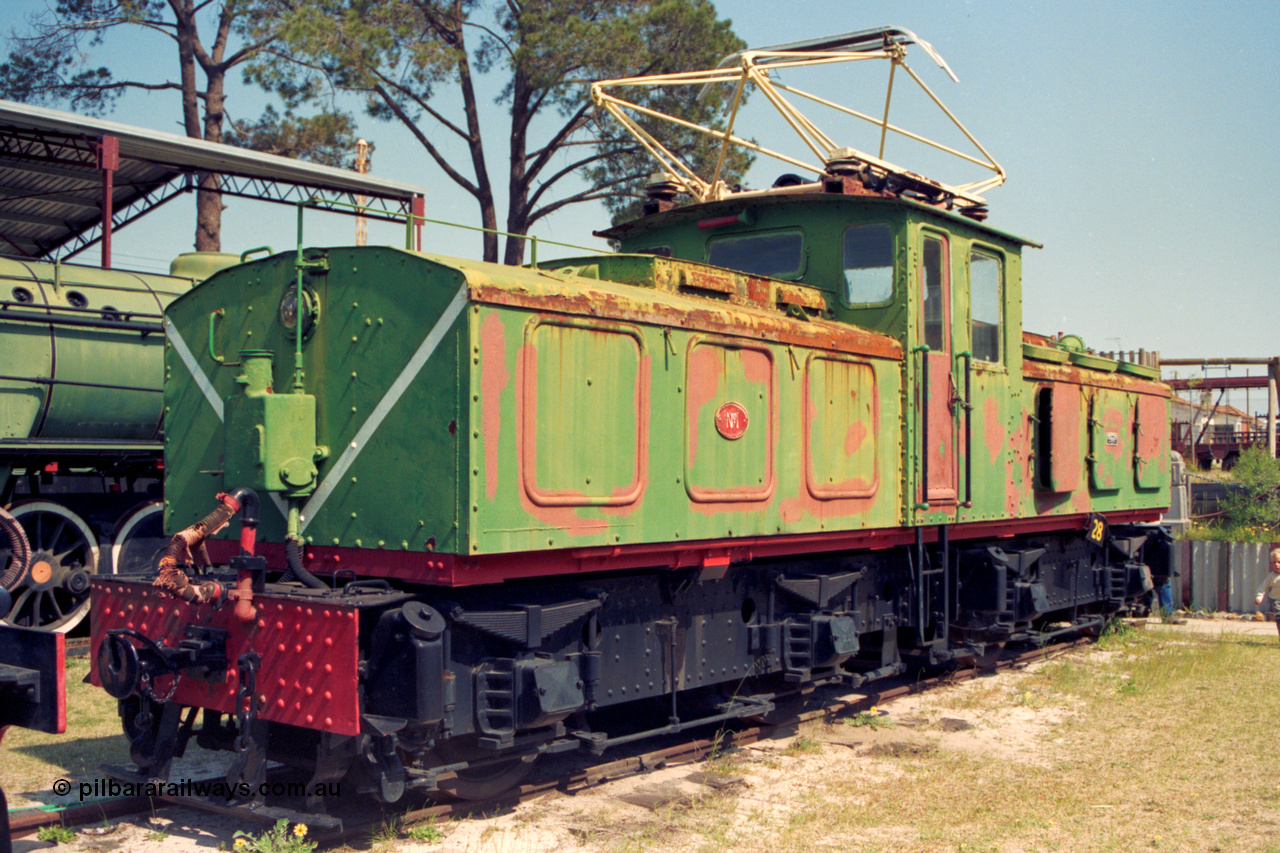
[[67, 182], [1214, 432]]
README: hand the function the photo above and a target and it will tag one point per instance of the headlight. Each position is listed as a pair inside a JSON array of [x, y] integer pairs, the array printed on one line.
[[289, 313]]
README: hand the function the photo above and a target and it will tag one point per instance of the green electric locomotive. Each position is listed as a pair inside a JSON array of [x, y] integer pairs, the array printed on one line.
[[780, 439]]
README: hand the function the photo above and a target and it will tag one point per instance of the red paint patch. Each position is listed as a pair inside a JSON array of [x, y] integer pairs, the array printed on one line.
[[494, 379], [705, 373], [856, 436], [993, 430]]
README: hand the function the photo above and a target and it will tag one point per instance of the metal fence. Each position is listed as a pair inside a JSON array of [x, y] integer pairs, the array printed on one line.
[[1223, 575]]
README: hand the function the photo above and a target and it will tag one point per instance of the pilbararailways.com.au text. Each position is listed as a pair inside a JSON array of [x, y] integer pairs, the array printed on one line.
[[208, 789]]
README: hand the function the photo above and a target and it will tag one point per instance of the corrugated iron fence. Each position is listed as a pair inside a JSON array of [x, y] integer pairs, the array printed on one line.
[[1222, 575]]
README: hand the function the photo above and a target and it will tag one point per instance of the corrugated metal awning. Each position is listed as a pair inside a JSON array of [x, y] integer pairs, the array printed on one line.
[[52, 178]]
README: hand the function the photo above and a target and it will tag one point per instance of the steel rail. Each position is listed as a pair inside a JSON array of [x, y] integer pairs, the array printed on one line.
[[580, 777]]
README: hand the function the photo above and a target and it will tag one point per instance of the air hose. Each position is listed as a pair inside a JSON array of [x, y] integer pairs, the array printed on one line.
[[187, 547], [19, 547], [293, 553]]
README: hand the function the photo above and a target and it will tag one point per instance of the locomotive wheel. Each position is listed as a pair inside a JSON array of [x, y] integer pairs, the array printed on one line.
[[54, 596], [479, 783], [139, 541]]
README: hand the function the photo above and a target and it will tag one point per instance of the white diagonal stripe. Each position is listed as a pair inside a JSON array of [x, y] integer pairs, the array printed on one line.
[[193, 367], [380, 412], [206, 387]]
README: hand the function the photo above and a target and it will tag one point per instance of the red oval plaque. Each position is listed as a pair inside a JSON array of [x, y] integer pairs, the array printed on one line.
[[731, 420]]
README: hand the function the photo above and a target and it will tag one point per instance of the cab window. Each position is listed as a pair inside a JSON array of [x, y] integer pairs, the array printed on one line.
[[777, 255], [868, 264], [986, 292], [934, 272]]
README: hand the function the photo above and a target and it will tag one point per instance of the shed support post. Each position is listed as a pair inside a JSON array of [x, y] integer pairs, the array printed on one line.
[[419, 210], [108, 162], [1273, 367]]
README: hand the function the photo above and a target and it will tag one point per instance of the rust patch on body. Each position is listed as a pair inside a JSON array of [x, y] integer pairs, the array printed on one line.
[[1039, 371], [993, 429], [494, 380], [706, 372], [564, 519], [695, 314], [855, 436]]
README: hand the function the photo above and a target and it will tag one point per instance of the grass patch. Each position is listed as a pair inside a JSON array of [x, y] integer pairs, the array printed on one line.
[[56, 834], [425, 833], [1162, 744], [872, 718], [33, 760], [1228, 531], [803, 744]]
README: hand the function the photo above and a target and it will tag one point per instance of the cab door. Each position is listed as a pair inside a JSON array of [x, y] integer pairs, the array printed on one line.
[[937, 409]]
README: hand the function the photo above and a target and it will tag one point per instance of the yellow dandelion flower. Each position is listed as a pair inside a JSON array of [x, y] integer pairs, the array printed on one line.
[[240, 842], [300, 829]]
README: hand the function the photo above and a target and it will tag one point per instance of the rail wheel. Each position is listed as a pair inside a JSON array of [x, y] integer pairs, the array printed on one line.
[[54, 595], [139, 541], [486, 781]]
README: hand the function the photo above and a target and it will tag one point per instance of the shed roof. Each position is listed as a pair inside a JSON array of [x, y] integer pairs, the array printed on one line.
[[52, 178]]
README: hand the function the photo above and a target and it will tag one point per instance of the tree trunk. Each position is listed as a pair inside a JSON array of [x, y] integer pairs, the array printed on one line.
[[209, 205], [517, 179], [475, 143], [208, 236]]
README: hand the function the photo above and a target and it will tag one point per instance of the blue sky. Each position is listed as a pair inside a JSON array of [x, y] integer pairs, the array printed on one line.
[[1136, 137]]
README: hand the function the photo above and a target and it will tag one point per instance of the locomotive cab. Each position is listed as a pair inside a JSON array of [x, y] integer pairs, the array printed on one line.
[[946, 287]]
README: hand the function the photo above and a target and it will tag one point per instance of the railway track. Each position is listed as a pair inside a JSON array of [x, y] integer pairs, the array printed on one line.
[[568, 775]]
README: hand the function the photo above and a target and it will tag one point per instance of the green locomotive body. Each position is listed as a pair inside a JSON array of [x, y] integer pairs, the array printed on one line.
[[783, 439], [481, 412]]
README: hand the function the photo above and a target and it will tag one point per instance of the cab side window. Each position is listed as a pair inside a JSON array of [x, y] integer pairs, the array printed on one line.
[[868, 264], [779, 254], [934, 271], [986, 295]]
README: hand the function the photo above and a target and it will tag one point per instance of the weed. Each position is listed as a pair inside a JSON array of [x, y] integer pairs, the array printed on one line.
[[872, 718], [802, 744], [156, 835], [386, 833], [58, 834], [278, 839], [720, 747], [1116, 633], [427, 833]]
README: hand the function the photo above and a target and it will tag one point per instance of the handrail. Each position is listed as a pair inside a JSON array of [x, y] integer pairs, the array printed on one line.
[[412, 220], [923, 349], [967, 405]]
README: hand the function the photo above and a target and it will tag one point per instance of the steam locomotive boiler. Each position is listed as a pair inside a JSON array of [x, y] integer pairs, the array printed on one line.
[[781, 439], [81, 416]]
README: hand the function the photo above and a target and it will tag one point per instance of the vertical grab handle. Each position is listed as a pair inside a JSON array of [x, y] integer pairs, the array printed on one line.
[[968, 428], [924, 351]]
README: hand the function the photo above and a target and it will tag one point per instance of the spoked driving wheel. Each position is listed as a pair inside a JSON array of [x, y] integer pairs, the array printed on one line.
[[490, 777], [139, 541], [54, 595]]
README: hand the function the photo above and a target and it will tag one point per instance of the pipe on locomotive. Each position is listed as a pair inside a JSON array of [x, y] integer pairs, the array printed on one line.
[[187, 548], [293, 542], [248, 505]]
